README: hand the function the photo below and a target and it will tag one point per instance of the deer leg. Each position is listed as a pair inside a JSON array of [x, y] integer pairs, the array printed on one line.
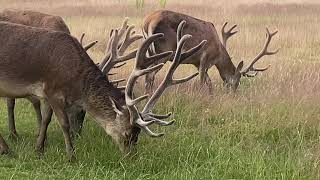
[[60, 111], [149, 82], [208, 81], [203, 69], [37, 108], [11, 121], [47, 114], [4, 149]]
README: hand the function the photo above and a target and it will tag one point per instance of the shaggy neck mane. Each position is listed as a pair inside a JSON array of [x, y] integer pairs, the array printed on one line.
[[96, 88], [225, 66]]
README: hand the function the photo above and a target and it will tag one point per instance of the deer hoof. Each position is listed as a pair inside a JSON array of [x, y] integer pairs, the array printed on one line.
[[14, 136]]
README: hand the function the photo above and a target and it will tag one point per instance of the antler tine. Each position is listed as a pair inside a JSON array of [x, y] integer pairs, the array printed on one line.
[[124, 27], [108, 49], [139, 70], [263, 52], [117, 81], [90, 45], [120, 65], [116, 49], [112, 55], [227, 34], [81, 38], [192, 51], [168, 80], [129, 39], [179, 30]]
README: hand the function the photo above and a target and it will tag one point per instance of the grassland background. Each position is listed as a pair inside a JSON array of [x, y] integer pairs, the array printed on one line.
[[268, 130]]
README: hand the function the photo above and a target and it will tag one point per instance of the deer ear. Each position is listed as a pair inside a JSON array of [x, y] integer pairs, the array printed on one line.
[[239, 67], [116, 106]]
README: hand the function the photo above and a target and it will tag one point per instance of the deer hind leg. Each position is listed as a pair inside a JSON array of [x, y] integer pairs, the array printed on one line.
[[47, 114], [37, 108], [4, 148], [11, 121], [59, 109]]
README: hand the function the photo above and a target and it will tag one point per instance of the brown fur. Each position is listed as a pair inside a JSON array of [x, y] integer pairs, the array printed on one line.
[[34, 19], [164, 21], [53, 65], [40, 20]]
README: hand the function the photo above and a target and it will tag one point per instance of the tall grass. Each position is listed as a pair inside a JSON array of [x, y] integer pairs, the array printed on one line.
[[269, 129]]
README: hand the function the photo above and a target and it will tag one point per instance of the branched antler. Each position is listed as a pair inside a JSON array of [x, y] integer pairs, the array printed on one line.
[[227, 34], [263, 52], [146, 117], [117, 47], [90, 45]]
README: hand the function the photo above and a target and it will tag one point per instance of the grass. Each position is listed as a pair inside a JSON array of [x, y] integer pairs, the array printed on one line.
[[269, 129]]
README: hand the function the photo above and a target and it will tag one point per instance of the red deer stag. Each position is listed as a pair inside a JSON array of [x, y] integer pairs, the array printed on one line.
[[41, 20], [214, 53], [57, 68]]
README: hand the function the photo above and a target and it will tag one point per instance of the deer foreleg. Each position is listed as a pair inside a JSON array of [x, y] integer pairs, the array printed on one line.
[[37, 108], [11, 121]]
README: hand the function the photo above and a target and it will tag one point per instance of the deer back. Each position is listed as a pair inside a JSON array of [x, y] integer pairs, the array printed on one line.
[[33, 59], [166, 22], [34, 19]]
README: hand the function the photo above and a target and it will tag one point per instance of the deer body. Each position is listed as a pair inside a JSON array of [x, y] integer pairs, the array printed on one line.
[[214, 54], [56, 68], [50, 22]]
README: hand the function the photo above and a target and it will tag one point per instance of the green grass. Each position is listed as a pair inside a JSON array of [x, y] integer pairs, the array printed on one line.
[[241, 142]]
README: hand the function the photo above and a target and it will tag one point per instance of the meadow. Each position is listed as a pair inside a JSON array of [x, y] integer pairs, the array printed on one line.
[[268, 129]]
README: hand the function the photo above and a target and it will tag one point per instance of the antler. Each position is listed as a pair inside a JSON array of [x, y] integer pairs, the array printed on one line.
[[227, 34], [116, 48], [146, 117], [264, 52], [90, 45]]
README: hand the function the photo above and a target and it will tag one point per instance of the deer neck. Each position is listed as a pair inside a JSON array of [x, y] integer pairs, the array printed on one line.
[[225, 66], [98, 90]]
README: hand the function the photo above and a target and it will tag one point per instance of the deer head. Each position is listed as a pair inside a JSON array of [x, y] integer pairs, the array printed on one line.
[[128, 117], [250, 71]]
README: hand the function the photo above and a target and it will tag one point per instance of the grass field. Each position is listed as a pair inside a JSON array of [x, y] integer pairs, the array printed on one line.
[[269, 129]]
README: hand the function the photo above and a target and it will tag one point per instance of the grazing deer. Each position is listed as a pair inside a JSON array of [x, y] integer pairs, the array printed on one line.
[[214, 53], [40, 20], [57, 68]]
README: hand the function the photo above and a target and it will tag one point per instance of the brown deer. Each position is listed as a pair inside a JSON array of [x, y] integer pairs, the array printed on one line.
[[51, 22], [58, 69], [214, 53]]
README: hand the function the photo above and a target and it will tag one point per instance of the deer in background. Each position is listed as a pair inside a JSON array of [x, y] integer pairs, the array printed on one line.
[[51, 22], [214, 53], [64, 75]]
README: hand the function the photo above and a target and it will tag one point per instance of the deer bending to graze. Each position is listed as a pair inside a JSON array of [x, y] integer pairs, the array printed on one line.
[[57, 68], [214, 53], [51, 22]]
